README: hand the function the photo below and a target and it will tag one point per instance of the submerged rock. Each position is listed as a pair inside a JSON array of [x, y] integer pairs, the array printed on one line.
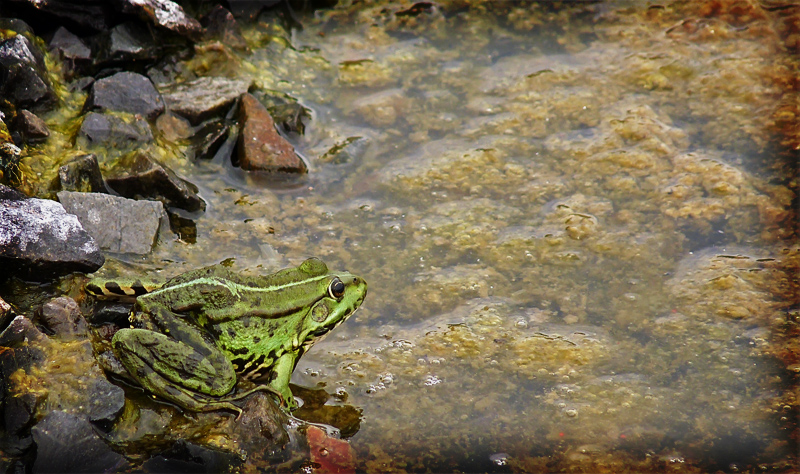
[[260, 146], [203, 98], [68, 443], [139, 175], [81, 174], [62, 316], [25, 81], [38, 239], [112, 132], [126, 92], [118, 224]]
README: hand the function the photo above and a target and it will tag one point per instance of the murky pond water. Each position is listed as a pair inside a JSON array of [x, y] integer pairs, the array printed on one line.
[[574, 222]]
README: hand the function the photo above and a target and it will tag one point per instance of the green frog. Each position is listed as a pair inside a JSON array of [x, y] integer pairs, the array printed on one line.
[[194, 335]]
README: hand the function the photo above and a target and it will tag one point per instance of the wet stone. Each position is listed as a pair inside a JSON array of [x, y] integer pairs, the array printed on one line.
[[81, 174], [93, 14], [260, 146], [112, 132], [173, 127], [6, 314], [203, 98], [126, 92], [68, 443], [125, 43], [221, 25], [18, 333], [188, 457], [166, 14], [250, 9], [62, 317], [102, 401], [24, 72], [75, 54], [39, 239], [33, 129], [118, 224], [349, 150], [210, 139], [139, 175], [18, 412]]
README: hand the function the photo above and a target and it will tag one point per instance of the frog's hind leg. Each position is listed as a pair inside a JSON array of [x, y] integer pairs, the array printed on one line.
[[193, 379]]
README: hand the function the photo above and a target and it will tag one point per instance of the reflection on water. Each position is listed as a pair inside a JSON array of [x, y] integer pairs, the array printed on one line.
[[574, 224]]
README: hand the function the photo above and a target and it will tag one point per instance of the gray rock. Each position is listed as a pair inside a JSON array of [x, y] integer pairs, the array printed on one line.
[[25, 81], [138, 175], [62, 316], [68, 443], [118, 224], [81, 174], [203, 98], [74, 53], [102, 400], [112, 132], [39, 239], [126, 42], [125, 92]]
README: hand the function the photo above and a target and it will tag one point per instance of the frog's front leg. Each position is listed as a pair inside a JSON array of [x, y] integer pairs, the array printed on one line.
[[282, 371]]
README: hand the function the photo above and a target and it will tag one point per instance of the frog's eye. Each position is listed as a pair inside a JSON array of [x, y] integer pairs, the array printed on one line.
[[336, 288]]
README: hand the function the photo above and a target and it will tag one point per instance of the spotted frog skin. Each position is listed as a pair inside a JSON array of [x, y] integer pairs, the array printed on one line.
[[192, 338]]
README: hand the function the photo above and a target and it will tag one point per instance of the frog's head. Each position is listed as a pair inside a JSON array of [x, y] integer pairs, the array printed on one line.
[[341, 294]]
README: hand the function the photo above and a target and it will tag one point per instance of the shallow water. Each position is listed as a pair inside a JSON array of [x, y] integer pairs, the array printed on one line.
[[573, 222]]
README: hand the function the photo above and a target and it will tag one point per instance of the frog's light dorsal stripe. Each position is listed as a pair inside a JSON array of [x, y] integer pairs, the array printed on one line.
[[237, 287]]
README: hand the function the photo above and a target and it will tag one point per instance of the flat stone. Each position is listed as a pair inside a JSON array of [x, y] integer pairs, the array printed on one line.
[[68, 443], [81, 174], [63, 317], [112, 132], [125, 92], [39, 239], [139, 175], [166, 14], [203, 98], [260, 146], [118, 224], [33, 128], [25, 81]]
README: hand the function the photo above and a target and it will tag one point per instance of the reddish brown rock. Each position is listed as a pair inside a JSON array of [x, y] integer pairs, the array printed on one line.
[[260, 146]]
